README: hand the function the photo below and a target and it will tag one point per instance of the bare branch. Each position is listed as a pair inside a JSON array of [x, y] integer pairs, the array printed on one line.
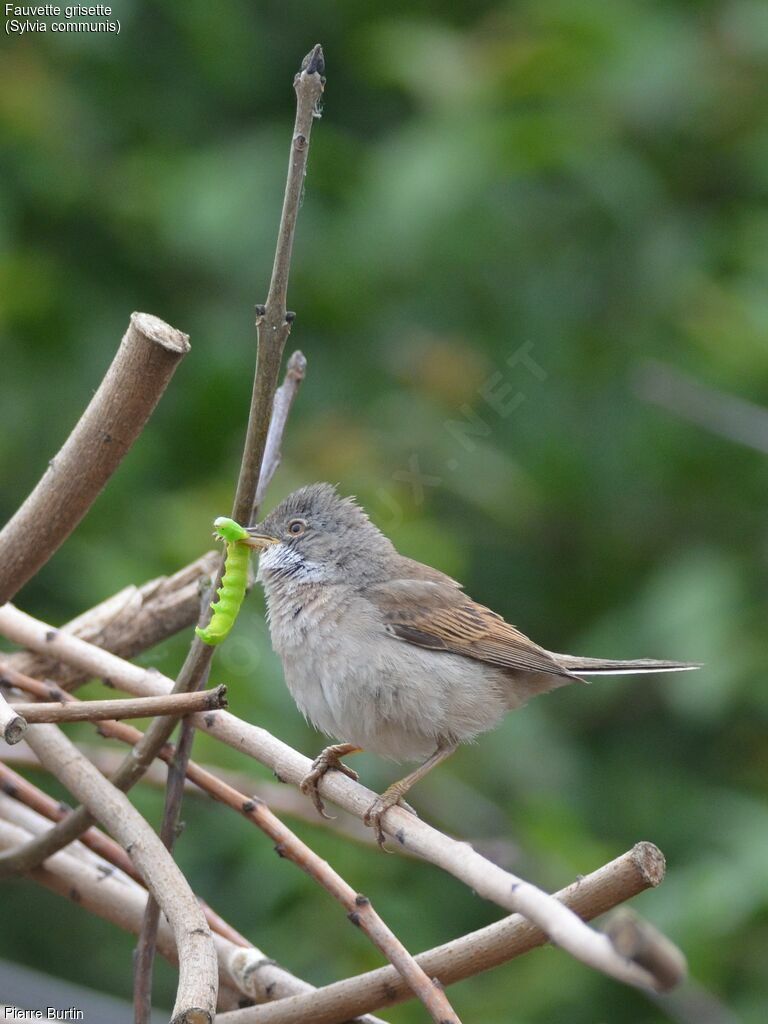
[[273, 320], [728, 416], [692, 1003], [137, 618], [144, 958], [459, 859], [100, 889], [135, 707], [198, 971], [129, 772], [144, 954], [140, 372], [280, 798], [620, 880], [17, 787], [130, 621], [358, 907], [273, 326], [102, 892], [190, 678], [270, 351], [285, 801], [640, 942], [21, 789], [12, 723], [295, 372], [94, 886]]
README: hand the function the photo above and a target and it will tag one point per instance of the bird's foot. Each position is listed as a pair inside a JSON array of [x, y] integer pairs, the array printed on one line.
[[328, 759], [389, 798]]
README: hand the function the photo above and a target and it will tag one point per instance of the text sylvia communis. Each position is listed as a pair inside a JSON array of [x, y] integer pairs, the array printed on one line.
[[388, 655]]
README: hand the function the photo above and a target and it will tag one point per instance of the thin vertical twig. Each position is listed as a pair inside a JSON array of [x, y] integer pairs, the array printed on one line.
[[129, 773], [15, 786], [285, 396], [245, 973], [144, 956], [273, 321], [273, 324], [198, 967], [359, 909], [23, 859]]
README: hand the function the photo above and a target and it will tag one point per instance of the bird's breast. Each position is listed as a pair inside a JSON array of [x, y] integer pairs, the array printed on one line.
[[301, 611], [323, 639], [358, 684]]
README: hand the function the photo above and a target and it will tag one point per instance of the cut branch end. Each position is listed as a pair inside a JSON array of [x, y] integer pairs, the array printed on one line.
[[650, 862], [158, 331], [14, 727]]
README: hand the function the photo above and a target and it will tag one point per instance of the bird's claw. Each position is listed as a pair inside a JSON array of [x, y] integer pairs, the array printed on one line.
[[324, 762], [308, 786], [379, 808], [372, 819]]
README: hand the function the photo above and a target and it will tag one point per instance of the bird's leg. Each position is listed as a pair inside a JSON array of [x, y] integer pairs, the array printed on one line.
[[394, 793], [327, 759]]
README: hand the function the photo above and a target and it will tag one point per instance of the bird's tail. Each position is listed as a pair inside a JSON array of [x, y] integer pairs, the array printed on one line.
[[604, 667]]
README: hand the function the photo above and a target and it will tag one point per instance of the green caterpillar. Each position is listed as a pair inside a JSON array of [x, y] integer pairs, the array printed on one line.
[[230, 594]]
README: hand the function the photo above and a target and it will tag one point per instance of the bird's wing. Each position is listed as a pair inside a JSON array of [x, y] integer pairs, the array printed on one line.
[[436, 614]]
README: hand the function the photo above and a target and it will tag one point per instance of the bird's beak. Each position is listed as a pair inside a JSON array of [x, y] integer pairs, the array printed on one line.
[[258, 540]]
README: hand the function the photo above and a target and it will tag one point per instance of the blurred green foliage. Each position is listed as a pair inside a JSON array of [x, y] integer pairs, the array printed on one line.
[[588, 180]]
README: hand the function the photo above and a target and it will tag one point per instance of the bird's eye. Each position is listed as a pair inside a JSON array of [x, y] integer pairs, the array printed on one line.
[[296, 527]]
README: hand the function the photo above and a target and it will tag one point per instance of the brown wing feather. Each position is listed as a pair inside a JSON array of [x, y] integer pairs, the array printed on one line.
[[435, 613]]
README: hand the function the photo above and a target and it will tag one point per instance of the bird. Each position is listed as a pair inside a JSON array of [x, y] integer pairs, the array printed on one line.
[[385, 654]]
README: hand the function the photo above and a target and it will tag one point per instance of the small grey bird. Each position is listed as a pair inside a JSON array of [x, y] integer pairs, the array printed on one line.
[[388, 655]]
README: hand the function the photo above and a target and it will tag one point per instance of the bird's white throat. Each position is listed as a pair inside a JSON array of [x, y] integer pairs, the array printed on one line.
[[283, 562]]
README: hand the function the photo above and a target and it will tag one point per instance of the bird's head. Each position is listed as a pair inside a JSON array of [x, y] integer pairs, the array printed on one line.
[[314, 535]]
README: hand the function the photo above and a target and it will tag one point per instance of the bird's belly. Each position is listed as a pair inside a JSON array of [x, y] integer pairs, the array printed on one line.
[[390, 697]]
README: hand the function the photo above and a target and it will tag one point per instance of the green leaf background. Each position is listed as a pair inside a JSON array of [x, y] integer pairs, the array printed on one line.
[[585, 180]]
